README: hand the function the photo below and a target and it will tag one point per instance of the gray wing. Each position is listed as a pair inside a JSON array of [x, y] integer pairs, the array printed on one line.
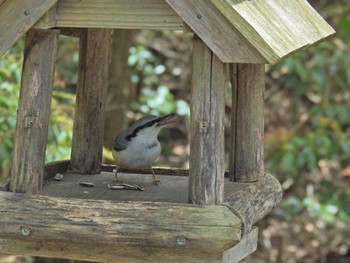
[[120, 142]]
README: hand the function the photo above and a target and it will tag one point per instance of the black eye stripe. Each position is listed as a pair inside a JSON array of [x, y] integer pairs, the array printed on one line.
[[134, 133]]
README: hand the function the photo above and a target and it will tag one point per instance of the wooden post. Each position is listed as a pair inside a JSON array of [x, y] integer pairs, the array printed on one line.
[[121, 92], [34, 111], [247, 122], [86, 155], [206, 179]]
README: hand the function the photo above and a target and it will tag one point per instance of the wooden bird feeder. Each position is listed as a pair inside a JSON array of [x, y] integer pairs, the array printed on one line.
[[202, 217]]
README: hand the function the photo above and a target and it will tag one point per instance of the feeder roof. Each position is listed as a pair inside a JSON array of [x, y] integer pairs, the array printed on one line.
[[237, 31], [17, 17], [263, 31]]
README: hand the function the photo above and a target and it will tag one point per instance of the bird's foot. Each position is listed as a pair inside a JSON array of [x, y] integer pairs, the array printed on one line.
[[156, 181], [116, 181]]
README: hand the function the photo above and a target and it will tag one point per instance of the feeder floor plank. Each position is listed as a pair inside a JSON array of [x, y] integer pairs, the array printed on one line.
[[172, 189]]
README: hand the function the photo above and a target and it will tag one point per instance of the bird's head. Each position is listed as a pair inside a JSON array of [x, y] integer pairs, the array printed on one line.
[[143, 130], [149, 126]]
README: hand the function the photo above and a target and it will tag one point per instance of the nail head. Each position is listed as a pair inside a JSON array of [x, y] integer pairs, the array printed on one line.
[[25, 231], [181, 240]]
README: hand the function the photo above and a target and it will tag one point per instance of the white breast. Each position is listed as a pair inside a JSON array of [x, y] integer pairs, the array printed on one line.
[[141, 151]]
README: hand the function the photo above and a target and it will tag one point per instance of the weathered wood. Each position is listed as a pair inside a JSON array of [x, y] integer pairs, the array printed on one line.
[[5, 184], [70, 32], [206, 183], [108, 231], [233, 72], [156, 170], [173, 189], [216, 31], [275, 28], [48, 20], [62, 166], [253, 201], [17, 17], [86, 156], [34, 110], [101, 253], [51, 169], [247, 122], [249, 201], [121, 91], [244, 248], [132, 14]]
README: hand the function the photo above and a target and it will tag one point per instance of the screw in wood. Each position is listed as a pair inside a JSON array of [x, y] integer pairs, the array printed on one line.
[[181, 240], [25, 231]]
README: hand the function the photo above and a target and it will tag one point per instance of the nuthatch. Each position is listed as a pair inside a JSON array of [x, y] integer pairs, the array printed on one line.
[[137, 147]]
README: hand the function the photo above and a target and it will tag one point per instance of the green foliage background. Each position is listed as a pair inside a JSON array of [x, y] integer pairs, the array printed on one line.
[[61, 123]]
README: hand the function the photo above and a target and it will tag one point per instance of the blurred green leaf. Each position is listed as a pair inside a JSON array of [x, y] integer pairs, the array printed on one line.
[[344, 24]]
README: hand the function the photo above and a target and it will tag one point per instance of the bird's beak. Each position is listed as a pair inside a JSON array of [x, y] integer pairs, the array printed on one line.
[[168, 119]]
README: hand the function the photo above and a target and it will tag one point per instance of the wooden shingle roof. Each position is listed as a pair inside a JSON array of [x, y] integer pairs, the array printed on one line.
[[240, 31], [273, 28], [17, 16]]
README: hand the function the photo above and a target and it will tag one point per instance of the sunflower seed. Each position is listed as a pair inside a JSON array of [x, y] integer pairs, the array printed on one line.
[[58, 177], [87, 184]]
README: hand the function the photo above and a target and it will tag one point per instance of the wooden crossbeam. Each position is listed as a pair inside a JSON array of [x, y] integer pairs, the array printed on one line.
[[17, 17], [107, 231]]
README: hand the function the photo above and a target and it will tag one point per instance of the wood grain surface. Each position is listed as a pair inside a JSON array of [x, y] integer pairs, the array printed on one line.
[[86, 155], [17, 17], [34, 110], [247, 122], [207, 126]]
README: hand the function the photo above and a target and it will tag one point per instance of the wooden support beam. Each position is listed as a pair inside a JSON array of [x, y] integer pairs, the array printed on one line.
[[103, 253], [48, 20], [107, 231], [86, 155], [121, 92], [121, 14], [34, 110], [17, 17], [243, 249], [247, 122], [206, 179], [253, 201], [70, 31]]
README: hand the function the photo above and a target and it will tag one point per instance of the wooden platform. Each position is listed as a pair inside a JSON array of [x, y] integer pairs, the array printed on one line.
[[131, 225], [252, 201], [172, 188]]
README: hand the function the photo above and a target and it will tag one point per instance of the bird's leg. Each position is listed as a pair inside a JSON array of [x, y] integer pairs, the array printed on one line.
[[155, 180], [115, 181]]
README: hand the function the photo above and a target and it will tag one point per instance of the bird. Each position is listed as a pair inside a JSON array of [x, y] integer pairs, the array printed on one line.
[[137, 147]]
